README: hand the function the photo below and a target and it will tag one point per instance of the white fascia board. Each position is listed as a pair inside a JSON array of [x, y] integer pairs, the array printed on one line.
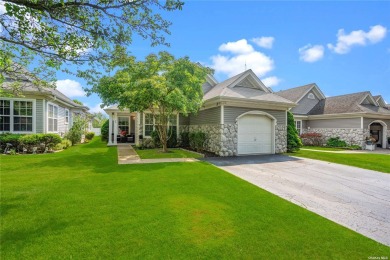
[[244, 102], [317, 91]]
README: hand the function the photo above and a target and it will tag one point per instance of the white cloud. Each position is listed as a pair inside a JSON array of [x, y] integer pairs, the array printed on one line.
[[96, 109], [311, 53], [70, 88], [265, 42], [238, 47], [271, 81], [2, 8], [346, 41], [242, 55]]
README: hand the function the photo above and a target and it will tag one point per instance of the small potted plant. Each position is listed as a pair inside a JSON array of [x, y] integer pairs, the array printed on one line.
[[370, 143]]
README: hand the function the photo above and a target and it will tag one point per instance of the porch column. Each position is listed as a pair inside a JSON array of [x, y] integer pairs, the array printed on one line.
[[110, 124], [137, 128], [115, 120]]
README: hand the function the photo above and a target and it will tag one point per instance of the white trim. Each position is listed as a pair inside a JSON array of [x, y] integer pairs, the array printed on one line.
[[384, 131], [361, 122], [261, 113], [67, 110], [300, 129], [222, 114], [319, 95], [34, 115]]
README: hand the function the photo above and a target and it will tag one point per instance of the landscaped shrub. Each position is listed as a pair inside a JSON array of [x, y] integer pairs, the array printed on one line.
[[198, 140], [172, 141], [293, 140], [63, 145], [155, 139], [312, 139], [49, 140], [78, 129], [336, 142], [29, 142], [104, 131], [10, 138], [89, 135], [185, 139], [147, 143]]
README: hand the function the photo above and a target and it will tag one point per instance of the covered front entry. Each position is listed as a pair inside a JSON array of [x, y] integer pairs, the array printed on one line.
[[378, 130], [255, 134]]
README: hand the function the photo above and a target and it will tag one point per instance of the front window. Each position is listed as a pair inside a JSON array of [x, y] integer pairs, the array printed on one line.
[[298, 126], [173, 122], [66, 116], [123, 124], [52, 118], [5, 115], [148, 124]]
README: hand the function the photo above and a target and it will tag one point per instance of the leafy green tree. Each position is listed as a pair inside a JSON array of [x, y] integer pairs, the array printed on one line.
[[160, 85], [293, 140], [78, 102], [98, 119], [52, 33], [79, 126]]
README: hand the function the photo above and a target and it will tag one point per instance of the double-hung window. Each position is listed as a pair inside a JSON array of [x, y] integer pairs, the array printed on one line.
[[149, 124], [173, 123], [16, 115], [298, 126], [66, 116], [52, 118]]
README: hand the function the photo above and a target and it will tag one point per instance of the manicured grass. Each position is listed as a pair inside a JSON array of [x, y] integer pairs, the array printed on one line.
[[81, 204], [376, 162], [322, 148], [172, 153]]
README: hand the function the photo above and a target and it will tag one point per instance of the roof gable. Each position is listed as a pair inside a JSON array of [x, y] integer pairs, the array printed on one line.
[[298, 93], [379, 99], [368, 99], [248, 79]]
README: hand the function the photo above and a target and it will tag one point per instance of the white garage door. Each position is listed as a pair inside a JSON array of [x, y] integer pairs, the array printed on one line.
[[254, 134]]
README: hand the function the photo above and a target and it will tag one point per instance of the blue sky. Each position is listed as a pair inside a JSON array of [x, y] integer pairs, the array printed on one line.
[[344, 47]]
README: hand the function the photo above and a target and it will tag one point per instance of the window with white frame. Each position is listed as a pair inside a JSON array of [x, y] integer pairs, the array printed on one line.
[[298, 126], [16, 115], [149, 124], [5, 115], [52, 118], [66, 116], [173, 122]]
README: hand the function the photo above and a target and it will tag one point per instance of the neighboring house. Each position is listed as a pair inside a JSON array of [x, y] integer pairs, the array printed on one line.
[[40, 110], [352, 117], [240, 116]]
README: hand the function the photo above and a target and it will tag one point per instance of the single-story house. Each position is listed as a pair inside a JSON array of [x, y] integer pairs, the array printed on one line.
[[352, 117], [39, 110], [240, 115]]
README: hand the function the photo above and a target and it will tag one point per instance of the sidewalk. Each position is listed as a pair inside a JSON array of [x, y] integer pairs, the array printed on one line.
[[127, 155]]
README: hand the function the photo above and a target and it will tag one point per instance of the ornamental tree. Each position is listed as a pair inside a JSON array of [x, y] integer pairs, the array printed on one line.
[[293, 140], [160, 85], [51, 33]]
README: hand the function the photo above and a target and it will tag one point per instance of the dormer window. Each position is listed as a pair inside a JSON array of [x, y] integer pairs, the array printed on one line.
[[310, 96]]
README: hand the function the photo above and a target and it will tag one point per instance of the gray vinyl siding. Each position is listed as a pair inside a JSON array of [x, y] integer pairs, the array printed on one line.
[[367, 121], [335, 123], [231, 114], [184, 120], [39, 117], [209, 116], [305, 105]]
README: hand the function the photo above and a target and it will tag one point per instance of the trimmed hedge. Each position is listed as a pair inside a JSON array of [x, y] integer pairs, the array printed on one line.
[[28, 141], [89, 135], [104, 131]]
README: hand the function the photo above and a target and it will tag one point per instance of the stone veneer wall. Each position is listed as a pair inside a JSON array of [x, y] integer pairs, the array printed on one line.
[[353, 136], [280, 139], [222, 139]]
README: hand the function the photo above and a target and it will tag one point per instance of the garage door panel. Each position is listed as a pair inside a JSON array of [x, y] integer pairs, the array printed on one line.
[[254, 134]]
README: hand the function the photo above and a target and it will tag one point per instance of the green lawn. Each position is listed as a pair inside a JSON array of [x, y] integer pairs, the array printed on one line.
[[172, 153], [81, 204], [376, 162], [323, 148]]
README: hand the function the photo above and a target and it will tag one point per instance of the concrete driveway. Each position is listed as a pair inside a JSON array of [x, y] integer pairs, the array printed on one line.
[[355, 198]]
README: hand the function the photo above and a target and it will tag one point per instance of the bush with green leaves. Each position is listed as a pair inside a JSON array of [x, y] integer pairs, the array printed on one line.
[[63, 145], [49, 140], [172, 138], [336, 142], [104, 131], [198, 140], [293, 140], [77, 130], [184, 139], [155, 139], [30, 141], [89, 135], [13, 139]]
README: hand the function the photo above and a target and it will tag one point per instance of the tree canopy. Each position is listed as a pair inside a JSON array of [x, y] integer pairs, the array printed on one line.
[[160, 85], [84, 33]]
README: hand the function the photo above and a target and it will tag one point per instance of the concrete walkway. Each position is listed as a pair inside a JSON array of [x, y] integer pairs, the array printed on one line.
[[127, 155], [355, 198], [376, 151]]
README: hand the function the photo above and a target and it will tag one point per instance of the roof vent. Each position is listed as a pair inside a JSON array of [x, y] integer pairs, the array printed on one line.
[[311, 96]]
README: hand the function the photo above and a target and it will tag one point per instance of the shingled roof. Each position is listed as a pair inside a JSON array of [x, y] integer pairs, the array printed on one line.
[[231, 88], [350, 103], [295, 94]]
